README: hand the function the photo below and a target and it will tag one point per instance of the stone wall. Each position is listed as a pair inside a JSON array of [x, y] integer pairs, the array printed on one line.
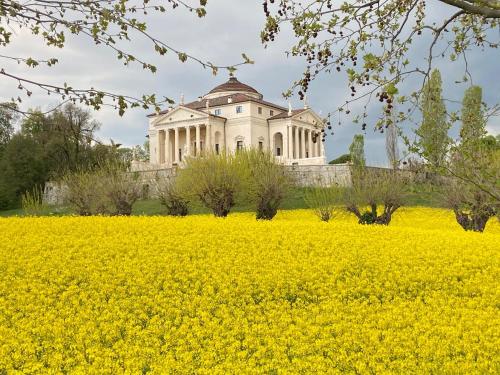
[[303, 175]]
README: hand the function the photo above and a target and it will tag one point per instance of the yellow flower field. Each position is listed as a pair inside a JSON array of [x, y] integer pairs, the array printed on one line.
[[206, 296]]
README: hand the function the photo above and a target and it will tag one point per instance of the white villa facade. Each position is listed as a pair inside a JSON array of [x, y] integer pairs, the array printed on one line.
[[234, 116]]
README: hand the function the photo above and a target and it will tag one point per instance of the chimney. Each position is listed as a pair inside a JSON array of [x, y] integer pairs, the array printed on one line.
[[306, 105], [199, 98], [289, 108], [229, 100], [182, 99]]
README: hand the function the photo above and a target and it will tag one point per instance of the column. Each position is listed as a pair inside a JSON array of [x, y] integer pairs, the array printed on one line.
[[208, 137], [197, 140], [188, 140], [176, 145], [287, 142], [168, 152], [302, 143], [158, 147], [318, 145], [296, 144]]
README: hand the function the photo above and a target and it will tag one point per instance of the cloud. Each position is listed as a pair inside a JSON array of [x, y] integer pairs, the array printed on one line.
[[229, 29]]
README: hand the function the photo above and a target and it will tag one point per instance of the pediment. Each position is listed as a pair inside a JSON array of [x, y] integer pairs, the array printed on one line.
[[310, 117], [179, 114]]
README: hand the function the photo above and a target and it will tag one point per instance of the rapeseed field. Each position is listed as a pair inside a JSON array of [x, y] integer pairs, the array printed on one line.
[[137, 295]]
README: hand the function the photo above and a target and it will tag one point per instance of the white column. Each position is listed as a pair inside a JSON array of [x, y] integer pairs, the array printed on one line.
[[188, 141], [168, 153], [176, 145], [287, 142], [322, 148], [296, 144], [208, 137], [197, 140], [303, 143], [158, 147]]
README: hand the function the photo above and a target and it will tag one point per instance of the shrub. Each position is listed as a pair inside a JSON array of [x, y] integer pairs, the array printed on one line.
[[171, 198], [213, 179], [32, 201], [372, 188], [266, 181], [342, 159], [83, 193], [120, 187], [472, 206], [321, 199], [107, 190]]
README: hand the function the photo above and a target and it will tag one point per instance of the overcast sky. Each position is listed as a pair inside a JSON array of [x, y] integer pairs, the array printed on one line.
[[230, 28]]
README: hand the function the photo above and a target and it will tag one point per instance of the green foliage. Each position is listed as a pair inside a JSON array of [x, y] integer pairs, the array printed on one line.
[[23, 167], [433, 139], [473, 121], [373, 188], [32, 202], [7, 118], [357, 151], [322, 200], [266, 183], [342, 159], [215, 180], [171, 198]]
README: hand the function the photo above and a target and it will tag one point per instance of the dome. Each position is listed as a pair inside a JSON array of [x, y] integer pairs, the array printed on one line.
[[232, 86]]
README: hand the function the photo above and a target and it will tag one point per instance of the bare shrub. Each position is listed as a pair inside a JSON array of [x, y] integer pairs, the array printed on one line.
[[374, 188], [120, 187], [83, 193], [213, 179], [472, 206], [106, 190], [322, 199], [171, 198], [266, 181], [32, 202]]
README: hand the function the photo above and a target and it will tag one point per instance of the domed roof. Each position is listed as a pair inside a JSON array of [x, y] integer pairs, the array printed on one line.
[[233, 85]]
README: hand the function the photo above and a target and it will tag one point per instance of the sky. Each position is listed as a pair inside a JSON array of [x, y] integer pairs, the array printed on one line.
[[229, 29]]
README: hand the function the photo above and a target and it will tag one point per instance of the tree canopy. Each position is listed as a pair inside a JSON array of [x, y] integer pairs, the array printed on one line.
[[373, 41], [109, 24]]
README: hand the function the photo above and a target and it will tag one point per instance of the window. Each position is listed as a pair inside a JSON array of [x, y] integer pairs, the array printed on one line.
[[239, 109], [218, 112], [180, 154], [260, 110], [278, 151], [271, 113], [217, 148], [239, 145], [261, 146]]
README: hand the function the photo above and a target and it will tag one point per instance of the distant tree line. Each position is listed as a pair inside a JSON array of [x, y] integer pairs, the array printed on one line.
[[48, 146]]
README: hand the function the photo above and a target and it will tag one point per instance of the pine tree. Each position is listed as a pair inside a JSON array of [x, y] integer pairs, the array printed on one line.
[[433, 131]]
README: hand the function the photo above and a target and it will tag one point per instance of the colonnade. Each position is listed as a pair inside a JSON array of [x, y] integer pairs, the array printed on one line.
[[168, 141], [300, 144]]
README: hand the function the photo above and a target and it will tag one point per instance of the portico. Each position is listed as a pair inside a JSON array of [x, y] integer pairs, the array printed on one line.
[[234, 116]]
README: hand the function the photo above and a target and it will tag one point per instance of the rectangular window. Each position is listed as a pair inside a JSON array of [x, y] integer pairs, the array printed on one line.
[[239, 145], [271, 113], [278, 151], [217, 148], [180, 154], [239, 109], [260, 110], [218, 112], [261, 146]]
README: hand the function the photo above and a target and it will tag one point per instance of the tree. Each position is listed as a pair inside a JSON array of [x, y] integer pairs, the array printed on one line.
[[433, 131], [357, 152], [474, 189], [342, 159], [23, 168], [7, 118], [372, 41], [109, 24], [66, 136]]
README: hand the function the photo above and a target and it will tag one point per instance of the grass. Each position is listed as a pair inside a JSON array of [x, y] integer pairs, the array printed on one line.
[[417, 195]]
